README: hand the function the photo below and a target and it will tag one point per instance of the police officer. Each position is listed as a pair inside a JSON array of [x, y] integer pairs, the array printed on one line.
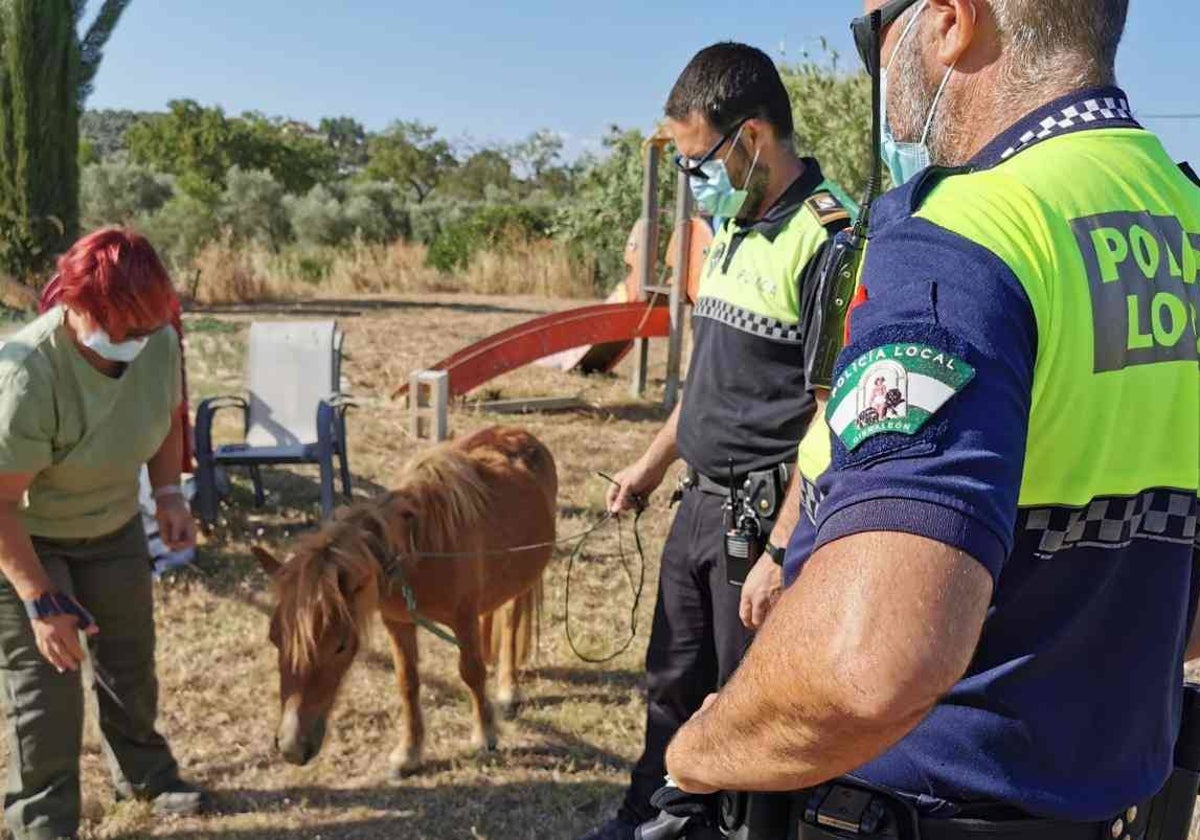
[[746, 404], [994, 618]]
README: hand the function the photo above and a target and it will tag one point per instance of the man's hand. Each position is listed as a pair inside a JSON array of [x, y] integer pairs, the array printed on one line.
[[633, 485], [760, 592], [58, 640], [175, 523]]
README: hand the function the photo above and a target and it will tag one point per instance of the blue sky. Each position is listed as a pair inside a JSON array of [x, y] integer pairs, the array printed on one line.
[[496, 71]]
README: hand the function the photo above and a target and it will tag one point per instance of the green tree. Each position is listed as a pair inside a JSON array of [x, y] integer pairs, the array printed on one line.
[[91, 48], [188, 139], [105, 130], [608, 202], [45, 73], [538, 153], [251, 208], [832, 110], [299, 160], [204, 144], [412, 155], [485, 174], [348, 140], [119, 193]]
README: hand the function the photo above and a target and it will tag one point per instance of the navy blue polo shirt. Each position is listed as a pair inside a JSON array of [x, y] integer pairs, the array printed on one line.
[[1071, 704]]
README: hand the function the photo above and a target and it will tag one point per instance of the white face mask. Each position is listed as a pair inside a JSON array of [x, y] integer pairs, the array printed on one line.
[[98, 342]]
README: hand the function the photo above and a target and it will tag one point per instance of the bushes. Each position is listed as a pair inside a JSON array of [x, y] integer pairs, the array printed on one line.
[[120, 193], [488, 227], [252, 210]]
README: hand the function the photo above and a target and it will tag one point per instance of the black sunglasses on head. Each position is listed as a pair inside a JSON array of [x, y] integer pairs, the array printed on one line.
[[693, 167], [861, 28]]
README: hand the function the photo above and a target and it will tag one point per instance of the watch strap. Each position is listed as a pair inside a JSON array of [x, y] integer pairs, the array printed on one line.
[[775, 553], [50, 604]]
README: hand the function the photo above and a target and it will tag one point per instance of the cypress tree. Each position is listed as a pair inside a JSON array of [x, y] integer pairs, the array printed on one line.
[[46, 73]]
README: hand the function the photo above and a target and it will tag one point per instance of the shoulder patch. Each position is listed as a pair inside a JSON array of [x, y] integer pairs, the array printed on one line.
[[827, 208], [894, 388]]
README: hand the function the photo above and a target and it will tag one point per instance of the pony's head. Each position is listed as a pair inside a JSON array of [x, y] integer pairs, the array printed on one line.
[[327, 589], [332, 581]]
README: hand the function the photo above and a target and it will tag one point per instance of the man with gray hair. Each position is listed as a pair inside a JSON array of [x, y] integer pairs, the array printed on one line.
[[991, 624]]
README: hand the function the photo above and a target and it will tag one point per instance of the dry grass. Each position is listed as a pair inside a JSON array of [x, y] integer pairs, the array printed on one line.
[[229, 274], [561, 765]]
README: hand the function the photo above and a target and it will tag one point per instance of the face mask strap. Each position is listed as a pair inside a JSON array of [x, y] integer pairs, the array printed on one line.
[[904, 35], [937, 99]]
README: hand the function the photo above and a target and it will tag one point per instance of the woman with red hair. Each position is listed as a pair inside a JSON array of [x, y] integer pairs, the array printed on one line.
[[89, 392]]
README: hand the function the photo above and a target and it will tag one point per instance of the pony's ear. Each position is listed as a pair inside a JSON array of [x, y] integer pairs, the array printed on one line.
[[267, 561]]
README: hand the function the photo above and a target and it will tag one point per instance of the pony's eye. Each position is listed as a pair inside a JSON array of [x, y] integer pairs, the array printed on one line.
[[343, 646]]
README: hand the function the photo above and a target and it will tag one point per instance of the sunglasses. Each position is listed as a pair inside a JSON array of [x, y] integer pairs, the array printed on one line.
[[693, 168], [864, 30]]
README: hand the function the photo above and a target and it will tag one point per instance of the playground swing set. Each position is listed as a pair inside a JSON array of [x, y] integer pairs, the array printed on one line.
[[590, 339]]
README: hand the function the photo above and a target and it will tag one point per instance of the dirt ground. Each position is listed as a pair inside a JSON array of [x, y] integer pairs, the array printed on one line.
[[560, 765]]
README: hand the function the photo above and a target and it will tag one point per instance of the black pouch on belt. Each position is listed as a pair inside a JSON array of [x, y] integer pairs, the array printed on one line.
[[750, 512]]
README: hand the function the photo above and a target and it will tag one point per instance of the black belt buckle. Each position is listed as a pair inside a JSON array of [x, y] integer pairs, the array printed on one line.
[[848, 809]]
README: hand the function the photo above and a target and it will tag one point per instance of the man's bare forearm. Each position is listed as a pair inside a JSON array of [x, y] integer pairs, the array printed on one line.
[[663, 452], [850, 660]]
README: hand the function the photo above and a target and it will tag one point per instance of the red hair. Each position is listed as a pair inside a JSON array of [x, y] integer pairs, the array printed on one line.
[[115, 276]]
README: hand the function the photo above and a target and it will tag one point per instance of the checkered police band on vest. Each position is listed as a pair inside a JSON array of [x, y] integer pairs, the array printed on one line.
[[727, 313], [1113, 523], [1087, 111], [810, 498]]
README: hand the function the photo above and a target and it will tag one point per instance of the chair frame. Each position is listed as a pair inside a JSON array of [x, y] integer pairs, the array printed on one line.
[[331, 441]]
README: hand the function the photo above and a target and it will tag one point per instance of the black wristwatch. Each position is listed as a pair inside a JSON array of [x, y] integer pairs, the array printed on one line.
[[776, 554], [50, 604]]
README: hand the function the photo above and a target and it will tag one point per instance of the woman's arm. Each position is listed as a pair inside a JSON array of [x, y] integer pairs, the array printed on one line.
[[18, 562], [57, 635], [164, 464], [175, 523]]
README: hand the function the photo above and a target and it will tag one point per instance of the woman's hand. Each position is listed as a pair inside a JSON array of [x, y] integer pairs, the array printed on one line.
[[58, 640], [175, 523]]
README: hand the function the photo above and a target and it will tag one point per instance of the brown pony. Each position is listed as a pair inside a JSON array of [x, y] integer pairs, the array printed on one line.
[[446, 530]]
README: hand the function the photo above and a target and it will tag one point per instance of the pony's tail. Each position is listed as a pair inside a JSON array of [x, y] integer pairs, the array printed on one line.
[[529, 624]]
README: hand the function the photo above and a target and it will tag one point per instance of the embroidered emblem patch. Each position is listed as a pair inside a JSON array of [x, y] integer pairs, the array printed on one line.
[[827, 208], [894, 388]]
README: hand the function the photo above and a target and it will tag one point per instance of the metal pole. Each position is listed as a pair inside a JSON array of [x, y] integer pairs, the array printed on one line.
[[647, 260], [683, 253]]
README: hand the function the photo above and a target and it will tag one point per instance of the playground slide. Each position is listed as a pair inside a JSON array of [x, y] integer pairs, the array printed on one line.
[[591, 338], [526, 343]]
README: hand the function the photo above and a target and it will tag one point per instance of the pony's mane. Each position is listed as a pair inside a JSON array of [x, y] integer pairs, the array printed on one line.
[[312, 598], [440, 492], [444, 488]]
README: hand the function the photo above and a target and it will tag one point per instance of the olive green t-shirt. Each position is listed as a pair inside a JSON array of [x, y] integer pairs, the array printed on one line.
[[83, 434]]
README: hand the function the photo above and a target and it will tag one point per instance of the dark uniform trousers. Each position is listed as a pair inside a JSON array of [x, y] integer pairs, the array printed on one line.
[[696, 642], [110, 576]]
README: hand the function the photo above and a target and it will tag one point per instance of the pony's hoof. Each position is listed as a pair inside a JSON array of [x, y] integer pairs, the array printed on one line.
[[508, 707], [484, 742], [404, 763]]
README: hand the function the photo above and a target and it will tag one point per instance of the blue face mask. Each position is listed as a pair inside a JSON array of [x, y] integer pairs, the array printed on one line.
[[715, 193], [905, 160], [114, 351]]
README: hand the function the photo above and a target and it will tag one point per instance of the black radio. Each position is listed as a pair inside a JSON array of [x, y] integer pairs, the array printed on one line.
[[744, 540]]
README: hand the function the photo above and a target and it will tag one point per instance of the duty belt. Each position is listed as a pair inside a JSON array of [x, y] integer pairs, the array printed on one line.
[[764, 489]]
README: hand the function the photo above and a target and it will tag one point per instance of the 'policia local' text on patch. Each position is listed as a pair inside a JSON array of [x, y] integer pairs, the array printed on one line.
[[894, 388], [1142, 272]]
